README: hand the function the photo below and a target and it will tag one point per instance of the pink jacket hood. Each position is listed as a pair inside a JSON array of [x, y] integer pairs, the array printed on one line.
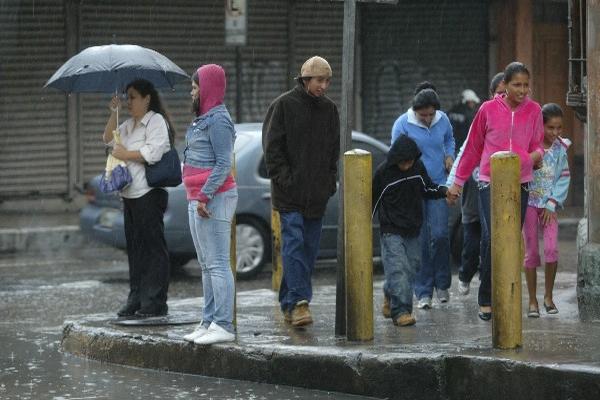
[[212, 84], [497, 127]]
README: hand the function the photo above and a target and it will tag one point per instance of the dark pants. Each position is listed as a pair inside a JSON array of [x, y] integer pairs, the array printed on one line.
[[485, 273], [300, 238], [469, 262], [147, 250]]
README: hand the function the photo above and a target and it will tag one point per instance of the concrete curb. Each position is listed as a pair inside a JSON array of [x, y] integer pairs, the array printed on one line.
[[407, 376], [42, 238]]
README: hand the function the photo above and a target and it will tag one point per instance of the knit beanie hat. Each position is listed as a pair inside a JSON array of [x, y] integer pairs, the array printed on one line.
[[212, 82], [315, 66], [469, 95]]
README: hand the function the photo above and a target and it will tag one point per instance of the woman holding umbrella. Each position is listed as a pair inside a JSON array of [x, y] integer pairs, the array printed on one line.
[[145, 137], [212, 195]]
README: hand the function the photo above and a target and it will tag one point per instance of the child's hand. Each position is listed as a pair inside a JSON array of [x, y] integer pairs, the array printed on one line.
[[548, 217], [452, 194]]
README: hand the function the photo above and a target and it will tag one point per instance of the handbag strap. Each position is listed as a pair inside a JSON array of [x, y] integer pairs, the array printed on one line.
[[171, 138]]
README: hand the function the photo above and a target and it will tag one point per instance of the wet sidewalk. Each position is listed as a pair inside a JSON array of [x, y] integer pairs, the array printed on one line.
[[448, 354]]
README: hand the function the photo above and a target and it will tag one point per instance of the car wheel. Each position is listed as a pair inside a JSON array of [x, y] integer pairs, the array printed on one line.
[[253, 246]]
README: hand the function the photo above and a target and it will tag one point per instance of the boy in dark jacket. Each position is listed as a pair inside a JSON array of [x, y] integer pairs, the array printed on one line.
[[399, 186]]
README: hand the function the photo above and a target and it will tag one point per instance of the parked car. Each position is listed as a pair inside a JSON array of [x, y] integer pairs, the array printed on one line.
[[102, 217]]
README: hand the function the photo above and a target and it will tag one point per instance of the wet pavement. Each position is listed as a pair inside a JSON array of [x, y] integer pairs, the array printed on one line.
[[39, 290], [447, 355], [560, 354]]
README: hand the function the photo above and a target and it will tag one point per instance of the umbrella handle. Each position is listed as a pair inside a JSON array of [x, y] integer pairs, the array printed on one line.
[[116, 94]]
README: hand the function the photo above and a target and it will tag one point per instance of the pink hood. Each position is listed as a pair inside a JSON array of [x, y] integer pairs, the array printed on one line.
[[498, 128], [212, 84]]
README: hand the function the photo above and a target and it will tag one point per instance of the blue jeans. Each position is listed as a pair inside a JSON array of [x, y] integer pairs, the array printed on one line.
[[212, 238], [485, 271], [435, 249], [300, 238], [469, 262], [401, 258]]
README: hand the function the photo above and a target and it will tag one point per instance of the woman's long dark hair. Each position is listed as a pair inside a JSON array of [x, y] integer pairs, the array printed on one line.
[[145, 88]]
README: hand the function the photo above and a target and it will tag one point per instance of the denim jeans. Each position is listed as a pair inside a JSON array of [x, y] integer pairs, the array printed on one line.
[[469, 262], [485, 269], [435, 249], [212, 238], [300, 238], [401, 258]]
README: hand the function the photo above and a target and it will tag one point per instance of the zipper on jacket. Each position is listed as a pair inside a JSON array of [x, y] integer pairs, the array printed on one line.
[[512, 123]]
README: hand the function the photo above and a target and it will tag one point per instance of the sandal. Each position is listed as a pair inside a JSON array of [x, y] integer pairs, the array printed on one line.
[[550, 309], [533, 313]]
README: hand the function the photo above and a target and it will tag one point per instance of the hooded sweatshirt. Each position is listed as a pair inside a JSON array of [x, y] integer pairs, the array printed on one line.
[[436, 141], [398, 195], [497, 127], [209, 140]]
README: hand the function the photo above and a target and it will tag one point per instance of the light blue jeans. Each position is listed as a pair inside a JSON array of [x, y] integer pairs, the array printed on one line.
[[400, 257], [212, 238], [435, 250]]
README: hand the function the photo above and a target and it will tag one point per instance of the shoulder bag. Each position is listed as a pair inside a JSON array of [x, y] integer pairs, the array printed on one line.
[[167, 171]]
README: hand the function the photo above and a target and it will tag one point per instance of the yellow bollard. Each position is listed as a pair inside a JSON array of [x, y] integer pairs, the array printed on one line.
[[233, 255], [276, 252], [507, 256], [359, 245]]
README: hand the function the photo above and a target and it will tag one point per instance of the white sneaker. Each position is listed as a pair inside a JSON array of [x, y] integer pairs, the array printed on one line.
[[215, 334], [443, 295], [424, 303], [198, 332], [464, 287]]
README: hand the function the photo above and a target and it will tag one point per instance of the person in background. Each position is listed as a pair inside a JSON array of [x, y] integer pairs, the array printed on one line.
[[399, 186], [301, 143], [470, 214], [145, 137], [461, 115], [547, 193], [508, 122], [212, 199], [431, 130]]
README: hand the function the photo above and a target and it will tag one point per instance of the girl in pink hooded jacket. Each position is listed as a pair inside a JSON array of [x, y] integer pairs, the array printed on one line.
[[513, 122]]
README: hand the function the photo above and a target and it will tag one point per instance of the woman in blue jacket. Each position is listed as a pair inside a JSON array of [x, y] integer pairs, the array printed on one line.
[[430, 128]]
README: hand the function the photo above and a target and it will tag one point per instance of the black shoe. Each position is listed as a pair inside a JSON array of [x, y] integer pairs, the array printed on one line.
[[485, 316], [151, 312], [128, 310]]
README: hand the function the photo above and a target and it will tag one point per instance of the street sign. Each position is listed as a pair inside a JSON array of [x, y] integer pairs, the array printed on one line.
[[236, 13]]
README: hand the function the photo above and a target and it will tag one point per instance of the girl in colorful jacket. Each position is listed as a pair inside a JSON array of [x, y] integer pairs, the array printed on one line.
[[508, 122], [547, 192]]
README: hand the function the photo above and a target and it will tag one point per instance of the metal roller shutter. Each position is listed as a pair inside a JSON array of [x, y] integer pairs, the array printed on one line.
[[319, 31], [440, 41], [265, 58], [33, 139]]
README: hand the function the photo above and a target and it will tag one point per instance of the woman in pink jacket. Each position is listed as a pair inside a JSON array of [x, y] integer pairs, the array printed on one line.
[[513, 122]]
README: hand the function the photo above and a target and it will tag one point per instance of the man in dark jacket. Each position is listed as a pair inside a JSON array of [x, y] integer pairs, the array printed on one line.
[[399, 185], [301, 140]]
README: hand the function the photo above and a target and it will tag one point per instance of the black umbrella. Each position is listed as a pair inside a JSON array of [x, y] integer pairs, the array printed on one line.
[[108, 69]]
